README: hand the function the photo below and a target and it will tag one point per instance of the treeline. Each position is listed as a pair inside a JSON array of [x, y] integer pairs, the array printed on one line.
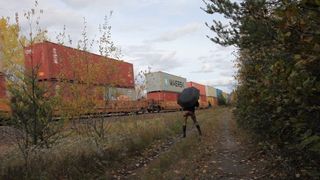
[[278, 92]]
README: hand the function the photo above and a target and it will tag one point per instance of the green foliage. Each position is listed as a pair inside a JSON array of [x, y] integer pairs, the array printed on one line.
[[278, 93], [221, 100], [32, 110]]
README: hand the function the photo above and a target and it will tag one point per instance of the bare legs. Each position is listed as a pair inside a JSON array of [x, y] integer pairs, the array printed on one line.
[[195, 122]]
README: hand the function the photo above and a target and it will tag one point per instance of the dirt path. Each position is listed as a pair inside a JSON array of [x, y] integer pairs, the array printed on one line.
[[233, 156], [224, 152]]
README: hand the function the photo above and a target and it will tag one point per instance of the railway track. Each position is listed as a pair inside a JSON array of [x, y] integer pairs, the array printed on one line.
[[119, 114]]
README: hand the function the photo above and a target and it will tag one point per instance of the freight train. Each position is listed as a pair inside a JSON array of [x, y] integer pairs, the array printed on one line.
[[63, 68]]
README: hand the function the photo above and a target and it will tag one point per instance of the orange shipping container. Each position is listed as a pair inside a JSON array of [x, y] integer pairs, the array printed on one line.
[[71, 91], [61, 62], [203, 99], [163, 96], [202, 88], [3, 90]]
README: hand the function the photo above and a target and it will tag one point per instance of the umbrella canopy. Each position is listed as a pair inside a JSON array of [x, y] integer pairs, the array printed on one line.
[[189, 97]]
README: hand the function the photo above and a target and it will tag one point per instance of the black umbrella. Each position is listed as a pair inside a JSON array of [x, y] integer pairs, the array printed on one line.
[[189, 97]]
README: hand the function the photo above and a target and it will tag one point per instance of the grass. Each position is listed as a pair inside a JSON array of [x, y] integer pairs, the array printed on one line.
[[183, 152], [78, 157]]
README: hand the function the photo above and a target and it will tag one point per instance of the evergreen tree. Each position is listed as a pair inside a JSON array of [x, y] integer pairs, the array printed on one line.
[[278, 91]]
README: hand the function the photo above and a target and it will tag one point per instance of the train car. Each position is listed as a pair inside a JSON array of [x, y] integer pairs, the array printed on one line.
[[203, 97], [211, 96], [3, 89], [164, 88], [66, 71], [58, 62], [74, 75]]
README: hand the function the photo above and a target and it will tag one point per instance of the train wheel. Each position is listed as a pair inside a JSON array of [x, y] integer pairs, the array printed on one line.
[[143, 110]]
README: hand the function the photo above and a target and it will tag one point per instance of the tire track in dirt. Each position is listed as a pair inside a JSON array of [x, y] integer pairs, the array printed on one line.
[[150, 154], [145, 158], [222, 153], [231, 157]]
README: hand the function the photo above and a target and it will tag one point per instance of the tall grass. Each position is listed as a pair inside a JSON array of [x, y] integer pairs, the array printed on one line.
[[78, 157]]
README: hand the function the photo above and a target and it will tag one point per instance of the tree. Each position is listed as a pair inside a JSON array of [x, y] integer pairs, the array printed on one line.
[[11, 51], [31, 106], [278, 71], [94, 77], [140, 83]]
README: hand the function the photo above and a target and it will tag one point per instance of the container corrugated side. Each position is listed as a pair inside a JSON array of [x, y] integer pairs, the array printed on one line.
[[3, 89], [219, 92], [71, 91], [213, 100], [61, 62], [203, 98], [211, 91], [160, 81], [163, 96], [200, 87]]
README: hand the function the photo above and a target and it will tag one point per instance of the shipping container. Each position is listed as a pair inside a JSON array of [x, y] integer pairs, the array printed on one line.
[[200, 87], [4, 107], [203, 102], [3, 89], [211, 91], [127, 94], [213, 100], [103, 93], [169, 105], [163, 96], [161, 81], [69, 91], [203, 98], [219, 92], [117, 106], [65, 63]]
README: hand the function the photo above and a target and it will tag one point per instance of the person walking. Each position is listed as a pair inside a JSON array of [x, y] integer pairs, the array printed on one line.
[[190, 112]]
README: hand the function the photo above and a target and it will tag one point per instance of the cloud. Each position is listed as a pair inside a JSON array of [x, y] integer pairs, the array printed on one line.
[[163, 34], [117, 3], [178, 33], [93, 3], [218, 60], [144, 56], [109, 4], [226, 84], [205, 68], [160, 61]]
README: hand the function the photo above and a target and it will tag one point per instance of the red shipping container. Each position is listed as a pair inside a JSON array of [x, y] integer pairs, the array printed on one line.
[[202, 88], [203, 98], [3, 89], [163, 96], [67, 89], [65, 63]]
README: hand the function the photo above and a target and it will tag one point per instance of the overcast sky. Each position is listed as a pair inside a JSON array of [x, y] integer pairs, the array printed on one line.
[[166, 35]]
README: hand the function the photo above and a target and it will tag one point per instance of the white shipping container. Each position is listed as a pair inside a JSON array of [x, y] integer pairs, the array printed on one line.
[[211, 91], [160, 81]]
